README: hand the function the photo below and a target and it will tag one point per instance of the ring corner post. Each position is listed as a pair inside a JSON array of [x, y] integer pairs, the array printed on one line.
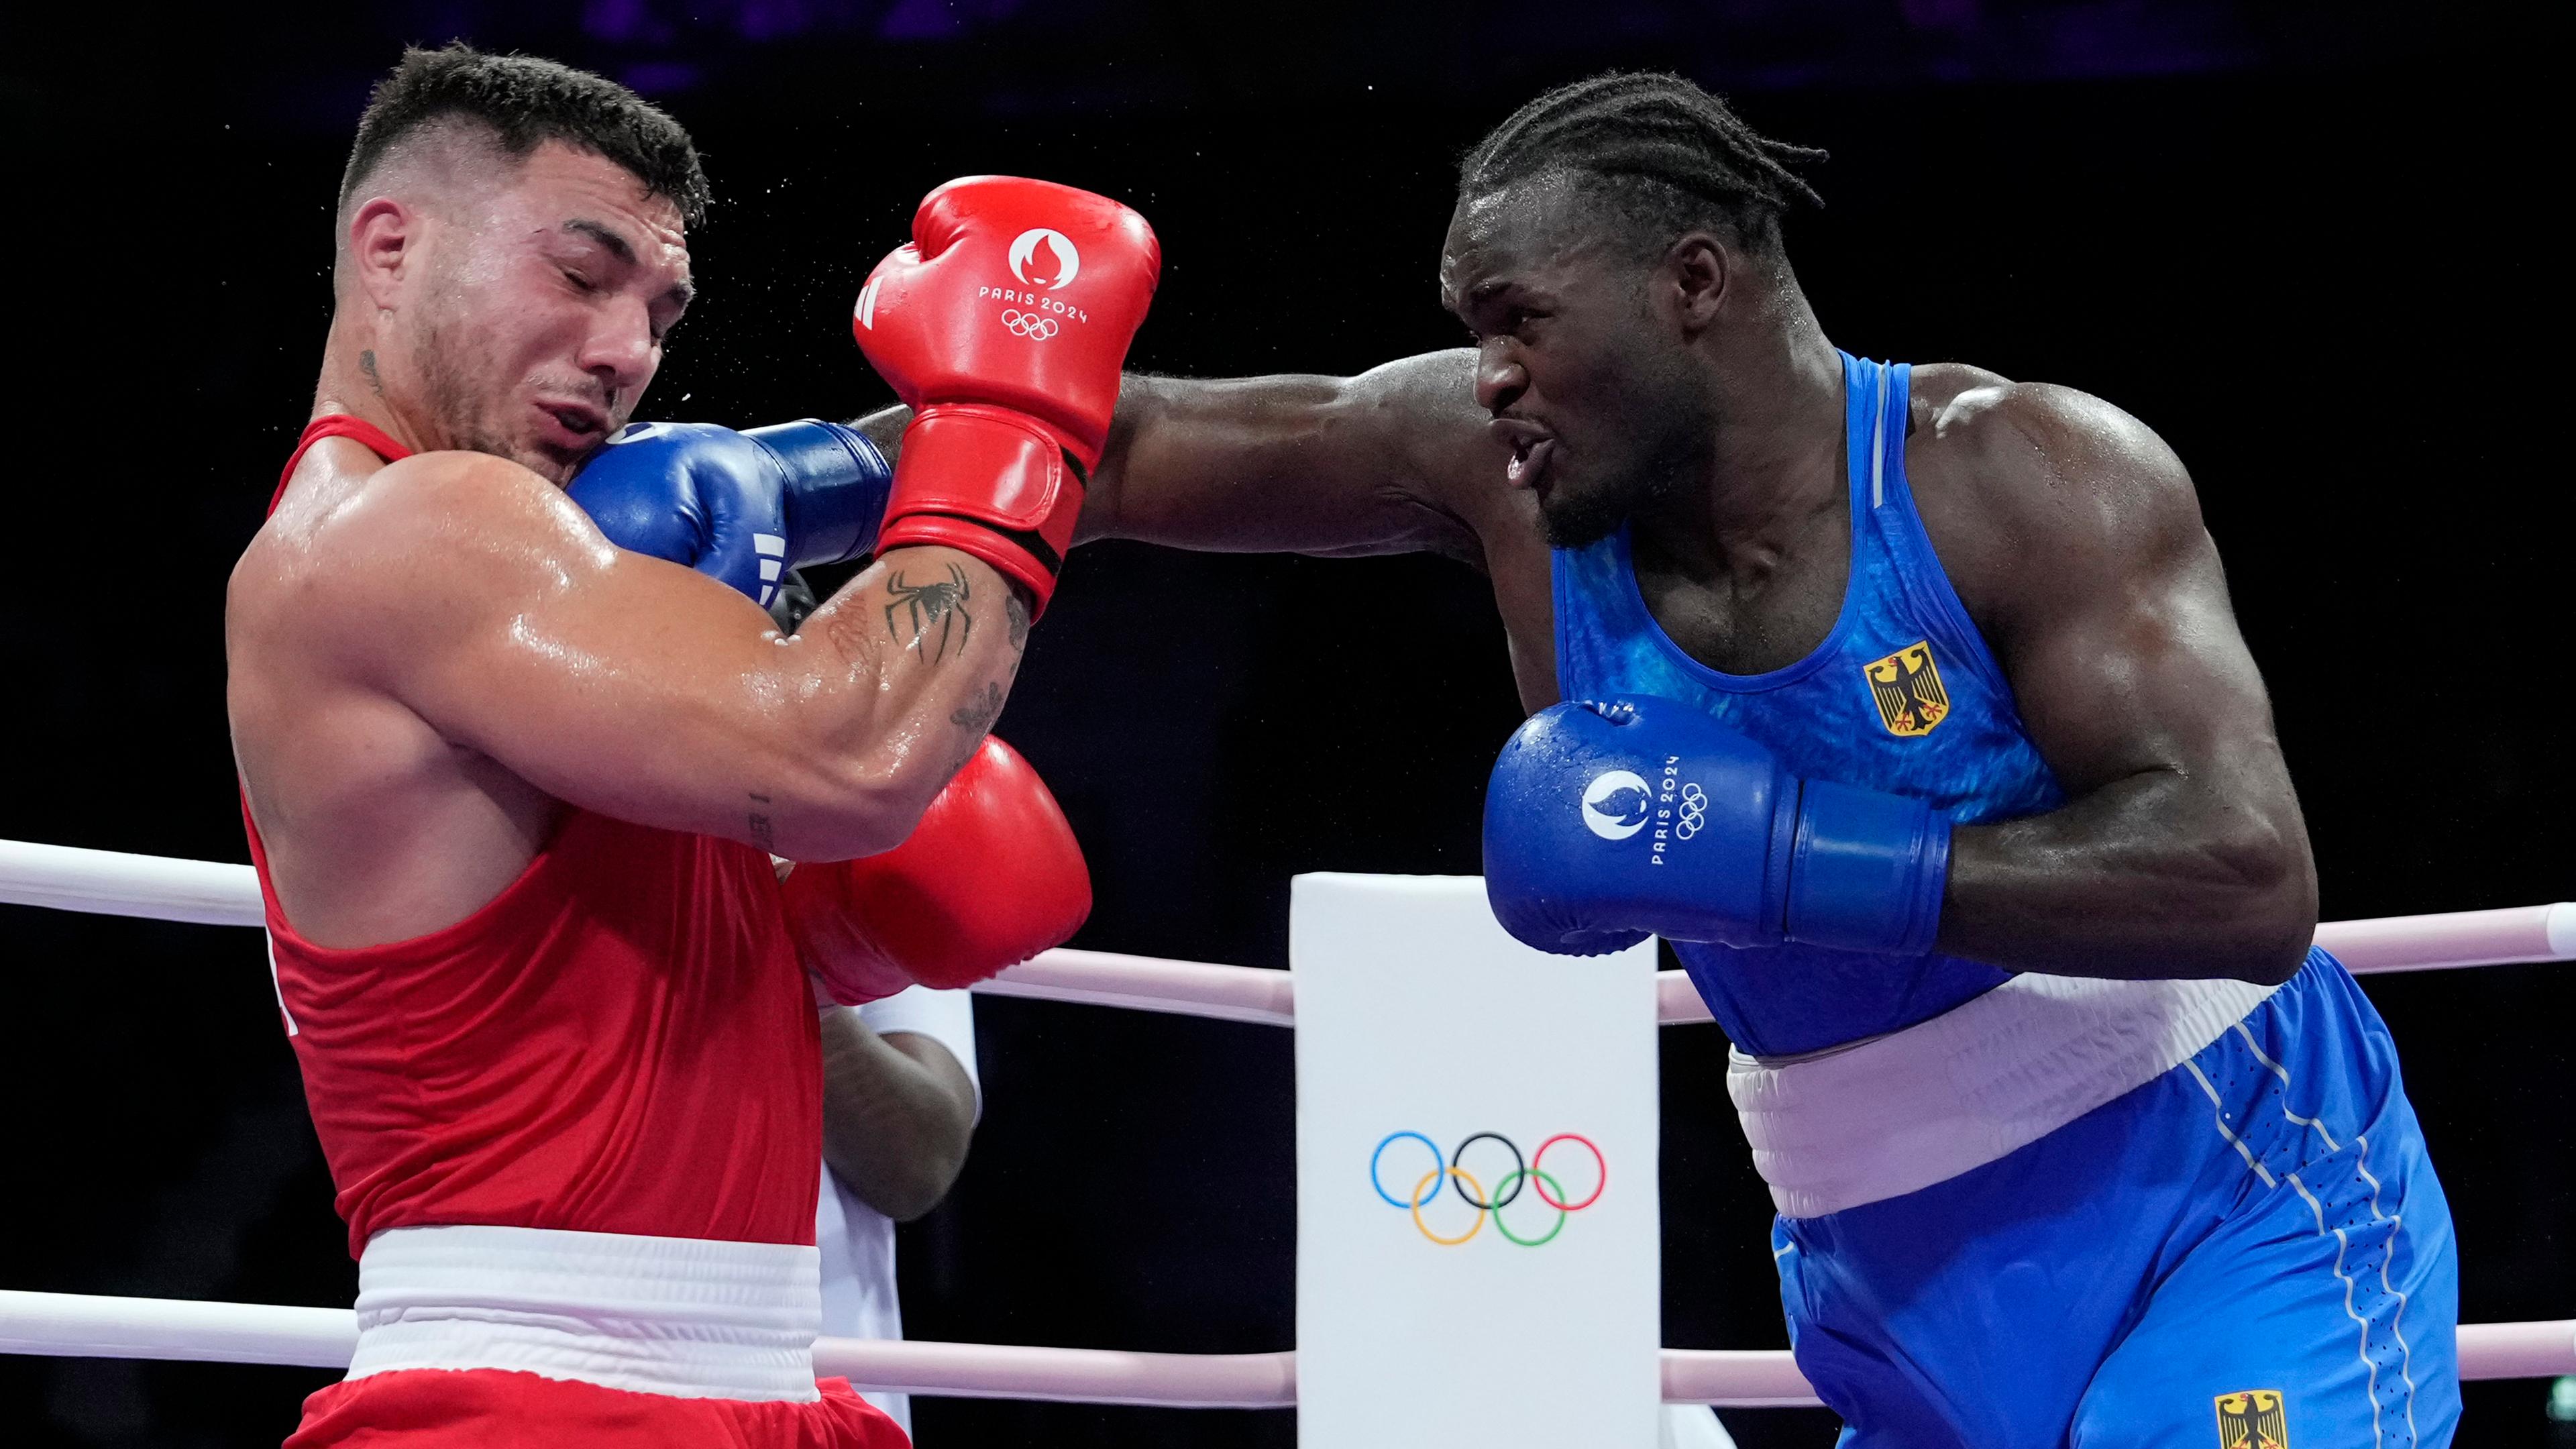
[[1478, 1234]]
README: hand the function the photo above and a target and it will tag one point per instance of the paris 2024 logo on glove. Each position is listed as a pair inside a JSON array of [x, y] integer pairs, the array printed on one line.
[[1045, 257], [1614, 804], [1619, 803], [1044, 261]]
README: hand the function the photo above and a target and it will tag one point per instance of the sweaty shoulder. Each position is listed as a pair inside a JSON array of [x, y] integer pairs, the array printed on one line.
[[1387, 461], [1431, 394], [1429, 401], [370, 554], [1425, 407], [2009, 474]]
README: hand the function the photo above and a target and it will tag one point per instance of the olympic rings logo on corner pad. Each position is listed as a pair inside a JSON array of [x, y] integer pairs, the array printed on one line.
[[1029, 324], [1448, 1171], [1693, 815]]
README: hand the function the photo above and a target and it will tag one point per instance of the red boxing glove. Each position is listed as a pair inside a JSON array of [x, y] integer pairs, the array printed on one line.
[[990, 877], [1003, 323]]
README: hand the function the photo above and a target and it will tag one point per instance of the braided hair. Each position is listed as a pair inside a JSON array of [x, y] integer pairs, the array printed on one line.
[[1665, 155]]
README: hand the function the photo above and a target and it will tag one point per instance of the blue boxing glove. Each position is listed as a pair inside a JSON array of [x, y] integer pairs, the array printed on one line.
[[740, 507], [1606, 823]]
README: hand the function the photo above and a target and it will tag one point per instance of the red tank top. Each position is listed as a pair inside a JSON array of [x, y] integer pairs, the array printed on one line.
[[621, 1041]]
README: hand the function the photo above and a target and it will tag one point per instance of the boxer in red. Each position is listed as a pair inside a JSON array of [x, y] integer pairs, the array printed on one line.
[[513, 792]]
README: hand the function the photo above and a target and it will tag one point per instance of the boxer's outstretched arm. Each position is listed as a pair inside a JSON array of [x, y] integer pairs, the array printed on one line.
[[1395, 460], [1389, 461], [2181, 851], [480, 598]]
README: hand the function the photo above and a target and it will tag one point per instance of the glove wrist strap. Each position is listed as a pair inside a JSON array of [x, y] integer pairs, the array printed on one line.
[[837, 486], [990, 482], [1866, 871]]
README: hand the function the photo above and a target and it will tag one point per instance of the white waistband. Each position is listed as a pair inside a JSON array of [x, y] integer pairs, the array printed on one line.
[[1919, 1106], [680, 1316]]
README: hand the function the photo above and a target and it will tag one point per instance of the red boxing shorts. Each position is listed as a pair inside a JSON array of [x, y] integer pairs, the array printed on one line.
[[501, 1409]]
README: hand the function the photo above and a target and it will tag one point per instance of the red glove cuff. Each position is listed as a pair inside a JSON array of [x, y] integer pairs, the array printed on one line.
[[990, 877], [990, 482]]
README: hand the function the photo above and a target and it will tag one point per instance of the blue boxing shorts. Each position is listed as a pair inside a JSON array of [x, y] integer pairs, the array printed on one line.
[[2250, 1249]]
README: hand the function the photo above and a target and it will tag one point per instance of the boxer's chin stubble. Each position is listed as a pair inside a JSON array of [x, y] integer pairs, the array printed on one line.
[[1579, 511], [475, 414], [471, 411]]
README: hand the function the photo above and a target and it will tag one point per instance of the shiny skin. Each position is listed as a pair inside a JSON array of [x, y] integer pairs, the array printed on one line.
[[431, 660], [517, 312], [990, 877], [2181, 851]]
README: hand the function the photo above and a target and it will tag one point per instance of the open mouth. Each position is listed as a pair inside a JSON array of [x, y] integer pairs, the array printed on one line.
[[574, 425], [1529, 461], [1532, 446]]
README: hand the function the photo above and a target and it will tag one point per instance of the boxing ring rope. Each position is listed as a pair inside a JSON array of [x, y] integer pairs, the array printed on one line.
[[213, 893], [79, 1325], [76, 1325]]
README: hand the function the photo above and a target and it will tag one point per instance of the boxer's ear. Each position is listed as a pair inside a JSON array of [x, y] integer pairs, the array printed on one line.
[[1697, 269], [383, 243]]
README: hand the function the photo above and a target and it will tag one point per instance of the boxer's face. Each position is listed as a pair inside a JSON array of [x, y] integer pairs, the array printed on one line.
[[537, 316], [1594, 390]]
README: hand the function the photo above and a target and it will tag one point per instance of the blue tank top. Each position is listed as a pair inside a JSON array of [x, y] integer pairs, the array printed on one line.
[[1902, 696]]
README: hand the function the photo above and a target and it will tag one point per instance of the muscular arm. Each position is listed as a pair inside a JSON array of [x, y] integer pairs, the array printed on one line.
[[2181, 851], [1385, 462], [481, 599], [898, 1111]]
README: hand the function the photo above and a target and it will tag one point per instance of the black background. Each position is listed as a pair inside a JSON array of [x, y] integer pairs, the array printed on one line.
[[2305, 244]]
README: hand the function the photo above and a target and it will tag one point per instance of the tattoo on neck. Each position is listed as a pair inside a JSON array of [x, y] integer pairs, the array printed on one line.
[[759, 822], [937, 608], [367, 365], [1019, 613]]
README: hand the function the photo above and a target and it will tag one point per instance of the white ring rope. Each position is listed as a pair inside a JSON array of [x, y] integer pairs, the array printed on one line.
[[110, 882], [212, 893], [78, 1325]]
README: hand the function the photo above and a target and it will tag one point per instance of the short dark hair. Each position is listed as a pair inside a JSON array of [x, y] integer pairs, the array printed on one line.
[[522, 102], [1664, 154]]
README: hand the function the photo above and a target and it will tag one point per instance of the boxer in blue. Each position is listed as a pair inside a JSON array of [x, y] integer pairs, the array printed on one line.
[[1907, 703]]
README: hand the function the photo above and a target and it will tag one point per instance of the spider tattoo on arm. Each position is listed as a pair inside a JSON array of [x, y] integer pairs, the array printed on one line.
[[939, 604]]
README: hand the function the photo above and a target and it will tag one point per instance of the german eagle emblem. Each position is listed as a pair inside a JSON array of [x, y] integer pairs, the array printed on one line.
[[2253, 1419], [1907, 686]]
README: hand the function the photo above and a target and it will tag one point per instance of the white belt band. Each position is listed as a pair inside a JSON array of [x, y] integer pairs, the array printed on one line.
[[680, 1316], [1922, 1105]]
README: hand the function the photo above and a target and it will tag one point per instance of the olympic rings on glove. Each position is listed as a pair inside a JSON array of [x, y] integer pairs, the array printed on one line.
[[1029, 324], [1526, 1172], [1694, 812]]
